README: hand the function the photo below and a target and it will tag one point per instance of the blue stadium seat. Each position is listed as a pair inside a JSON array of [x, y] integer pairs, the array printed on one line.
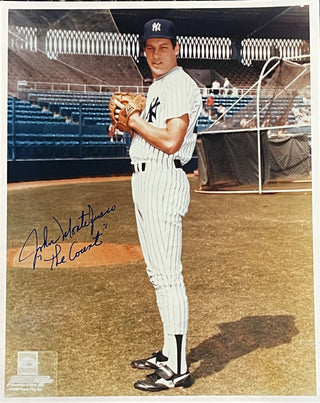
[[103, 149], [95, 129]]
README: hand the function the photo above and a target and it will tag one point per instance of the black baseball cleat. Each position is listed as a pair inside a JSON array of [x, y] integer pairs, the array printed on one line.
[[163, 378], [153, 362]]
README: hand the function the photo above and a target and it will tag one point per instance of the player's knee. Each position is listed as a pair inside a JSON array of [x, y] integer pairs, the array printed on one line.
[[166, 281]]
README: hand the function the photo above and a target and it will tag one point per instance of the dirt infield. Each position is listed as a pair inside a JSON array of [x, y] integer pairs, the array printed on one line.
[[248, 269], [60, 182], [107, 254], [81, 255]]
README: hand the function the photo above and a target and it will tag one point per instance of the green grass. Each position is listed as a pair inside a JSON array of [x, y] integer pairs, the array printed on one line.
[[249, 275]]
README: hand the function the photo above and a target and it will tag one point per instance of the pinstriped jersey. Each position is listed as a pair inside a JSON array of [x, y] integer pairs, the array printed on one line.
[[169, 96]]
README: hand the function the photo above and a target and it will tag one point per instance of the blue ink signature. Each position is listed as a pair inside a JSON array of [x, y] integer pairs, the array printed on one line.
[[56, 259], [87, 219]]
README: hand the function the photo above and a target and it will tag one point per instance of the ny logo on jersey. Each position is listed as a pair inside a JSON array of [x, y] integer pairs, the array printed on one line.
[[156, 26], [152, 113]]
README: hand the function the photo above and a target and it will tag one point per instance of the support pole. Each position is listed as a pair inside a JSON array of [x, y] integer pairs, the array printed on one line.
[[258, 117]]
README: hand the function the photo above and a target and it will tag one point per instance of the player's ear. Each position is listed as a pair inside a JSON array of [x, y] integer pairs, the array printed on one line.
[[177, 49]]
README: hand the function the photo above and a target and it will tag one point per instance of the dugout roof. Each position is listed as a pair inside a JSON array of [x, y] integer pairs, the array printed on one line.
[[237, 23], [263, 22]]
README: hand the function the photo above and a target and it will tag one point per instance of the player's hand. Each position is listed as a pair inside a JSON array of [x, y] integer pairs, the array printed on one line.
[[122, 106]]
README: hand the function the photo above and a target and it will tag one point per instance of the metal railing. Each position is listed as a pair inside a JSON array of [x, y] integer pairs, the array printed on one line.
[[25, 87]]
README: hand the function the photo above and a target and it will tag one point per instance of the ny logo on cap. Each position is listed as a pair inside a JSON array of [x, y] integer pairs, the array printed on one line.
[[156, 26]]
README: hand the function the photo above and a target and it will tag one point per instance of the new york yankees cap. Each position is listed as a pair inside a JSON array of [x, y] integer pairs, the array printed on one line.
[[159, 28]]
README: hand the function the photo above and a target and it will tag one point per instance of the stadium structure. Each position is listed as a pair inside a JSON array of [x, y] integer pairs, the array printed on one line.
[[64, 65]]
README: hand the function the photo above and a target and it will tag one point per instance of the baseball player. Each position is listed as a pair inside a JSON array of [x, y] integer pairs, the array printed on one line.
[[163, 141]]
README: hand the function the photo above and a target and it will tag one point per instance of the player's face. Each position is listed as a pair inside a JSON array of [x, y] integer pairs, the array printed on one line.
[[161, 55]]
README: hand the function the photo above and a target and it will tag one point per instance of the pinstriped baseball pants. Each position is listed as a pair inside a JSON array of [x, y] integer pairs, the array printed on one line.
[[161, 195]]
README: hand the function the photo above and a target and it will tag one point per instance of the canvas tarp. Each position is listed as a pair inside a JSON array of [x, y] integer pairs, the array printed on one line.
[[231, 159]]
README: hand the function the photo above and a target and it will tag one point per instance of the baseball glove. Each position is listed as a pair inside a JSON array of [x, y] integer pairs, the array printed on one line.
[[121, 107]]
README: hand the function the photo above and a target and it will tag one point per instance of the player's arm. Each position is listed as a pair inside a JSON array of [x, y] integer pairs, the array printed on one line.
[[168, 139]]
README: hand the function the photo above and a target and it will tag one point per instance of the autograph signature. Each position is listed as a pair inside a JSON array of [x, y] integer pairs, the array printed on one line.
[[52, 244]]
